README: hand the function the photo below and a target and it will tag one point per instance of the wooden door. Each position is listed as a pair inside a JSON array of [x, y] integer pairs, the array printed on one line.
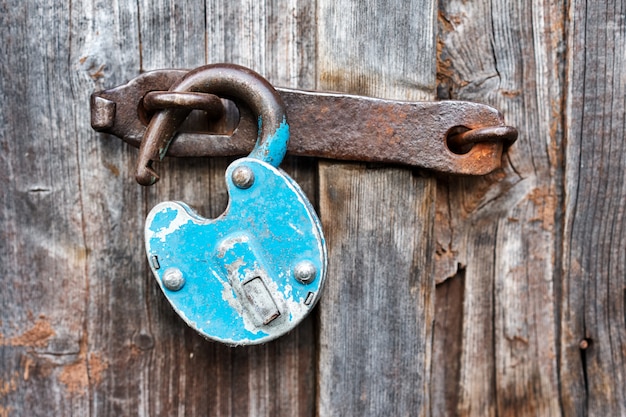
[[493, 296]]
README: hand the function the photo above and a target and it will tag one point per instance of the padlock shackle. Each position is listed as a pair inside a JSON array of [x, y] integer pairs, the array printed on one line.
[[240, 84]]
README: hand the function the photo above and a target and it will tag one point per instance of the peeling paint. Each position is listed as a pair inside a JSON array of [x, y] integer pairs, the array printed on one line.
[[273, 149], [176, 223]]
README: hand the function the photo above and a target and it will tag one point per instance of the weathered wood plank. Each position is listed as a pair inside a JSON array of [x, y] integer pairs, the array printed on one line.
[[447, 343], [377, 309], [502, 230], [104, 51], [376, 313], [47, 258], [84, 330], [593, 338]]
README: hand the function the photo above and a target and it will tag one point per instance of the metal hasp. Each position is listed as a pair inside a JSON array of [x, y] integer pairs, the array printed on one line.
[[449, 136], [256, 271]]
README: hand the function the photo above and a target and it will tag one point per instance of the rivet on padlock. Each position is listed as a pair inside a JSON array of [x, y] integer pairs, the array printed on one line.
[[256, 271]]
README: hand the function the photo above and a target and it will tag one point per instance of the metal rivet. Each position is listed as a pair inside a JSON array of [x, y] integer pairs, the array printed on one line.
[[305, 272], [243, 177], [173, 279]]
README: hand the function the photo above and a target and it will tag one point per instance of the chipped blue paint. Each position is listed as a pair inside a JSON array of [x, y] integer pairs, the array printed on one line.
[[266, 230], [273, 149]]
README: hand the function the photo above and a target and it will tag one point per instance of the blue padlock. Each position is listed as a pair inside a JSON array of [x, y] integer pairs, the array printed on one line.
[[252, 274]]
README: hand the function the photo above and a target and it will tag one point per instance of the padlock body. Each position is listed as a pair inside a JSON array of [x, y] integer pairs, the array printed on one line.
[[242, 272]]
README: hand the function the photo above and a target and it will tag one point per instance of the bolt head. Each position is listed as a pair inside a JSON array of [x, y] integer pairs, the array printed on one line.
[[173, 279], [305, 272], [243, 177]]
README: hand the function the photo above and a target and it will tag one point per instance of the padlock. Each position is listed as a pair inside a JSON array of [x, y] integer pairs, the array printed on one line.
[[253, 273]]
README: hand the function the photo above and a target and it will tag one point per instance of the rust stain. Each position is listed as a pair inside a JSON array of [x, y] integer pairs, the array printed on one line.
[[445, 70], [517, 338], [36, 337], [546, 202], [28, 363], [7, 387], [114, 170], [96, 365], [85, 371], [135, 352], [99, 73], [510, 93], [4, 411], [445, 22], [75, 377], [447, 76]]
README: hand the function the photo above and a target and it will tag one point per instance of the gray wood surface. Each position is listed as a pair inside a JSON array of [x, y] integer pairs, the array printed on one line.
[[540, 243], [494, 296], [84, 330], [377, 310], [593, 314], [501, 232]]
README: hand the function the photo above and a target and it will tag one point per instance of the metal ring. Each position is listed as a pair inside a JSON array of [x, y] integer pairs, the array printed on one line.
[[159, 100], [505, 134], [235, 82]]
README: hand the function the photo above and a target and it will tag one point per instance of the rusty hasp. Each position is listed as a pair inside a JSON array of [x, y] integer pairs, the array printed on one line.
[[449, 136]]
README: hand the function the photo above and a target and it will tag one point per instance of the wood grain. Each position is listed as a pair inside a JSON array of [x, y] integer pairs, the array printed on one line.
[[593, 338], [530, 261], [377, 310], [502, 230], [84, 329], [447, 343], [49, 250]]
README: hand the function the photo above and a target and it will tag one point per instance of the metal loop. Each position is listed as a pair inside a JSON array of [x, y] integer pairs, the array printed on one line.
[[159, 100], [235, 82], [505, 134]]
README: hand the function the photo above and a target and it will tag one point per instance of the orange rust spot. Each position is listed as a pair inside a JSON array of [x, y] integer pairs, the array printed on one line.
[[28, 362], [4, 411], [98, 74], [96, 366], [135, 352], [82, 60], [447, 76], [7, 387], [114, 170], [78, 375], [510, 93], [445, 21], [36, 337], [546, 202], [75, 377], [517, 338]]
